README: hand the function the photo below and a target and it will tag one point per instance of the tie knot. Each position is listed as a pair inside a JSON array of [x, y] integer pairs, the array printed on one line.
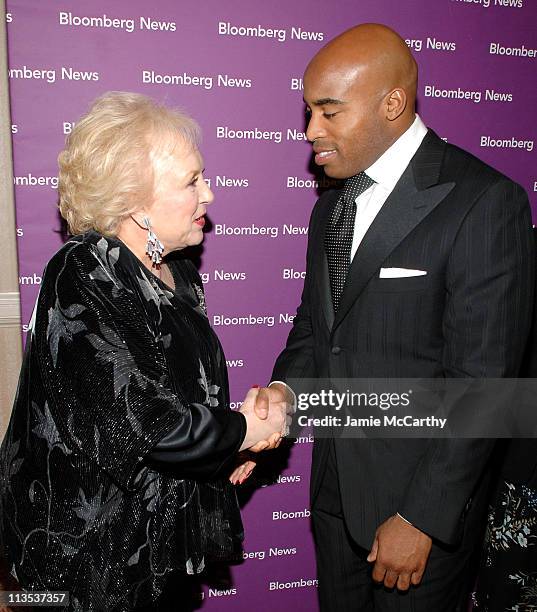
[[355, 185]]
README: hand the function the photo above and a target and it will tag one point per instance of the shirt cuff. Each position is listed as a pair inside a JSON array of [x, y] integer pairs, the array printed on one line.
[[404, 519], [293, 394]]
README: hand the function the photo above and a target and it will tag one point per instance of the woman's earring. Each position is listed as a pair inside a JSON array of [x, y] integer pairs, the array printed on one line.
[[154, 247]]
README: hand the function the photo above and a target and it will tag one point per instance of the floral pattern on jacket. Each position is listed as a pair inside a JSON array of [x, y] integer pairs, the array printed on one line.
[[113, 361], [509, 568]]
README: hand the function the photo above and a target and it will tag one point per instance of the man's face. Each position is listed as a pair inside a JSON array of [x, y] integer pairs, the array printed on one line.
[[346, 126]]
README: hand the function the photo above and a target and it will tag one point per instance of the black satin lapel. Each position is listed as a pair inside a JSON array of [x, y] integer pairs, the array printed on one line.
[[321, 264], [402, 211]]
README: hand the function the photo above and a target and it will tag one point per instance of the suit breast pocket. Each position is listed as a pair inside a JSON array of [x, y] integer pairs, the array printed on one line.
[[400, 285]]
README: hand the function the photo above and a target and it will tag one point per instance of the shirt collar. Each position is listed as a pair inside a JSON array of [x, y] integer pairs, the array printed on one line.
[[389, 167]]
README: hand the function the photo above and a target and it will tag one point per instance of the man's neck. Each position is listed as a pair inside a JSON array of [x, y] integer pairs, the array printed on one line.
[[401, 128]]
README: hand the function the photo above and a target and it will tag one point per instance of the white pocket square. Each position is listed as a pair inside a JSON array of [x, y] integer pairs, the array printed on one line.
[[400, 273]]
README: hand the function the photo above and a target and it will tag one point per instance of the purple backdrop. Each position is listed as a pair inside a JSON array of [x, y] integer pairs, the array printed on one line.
[[237, 67]]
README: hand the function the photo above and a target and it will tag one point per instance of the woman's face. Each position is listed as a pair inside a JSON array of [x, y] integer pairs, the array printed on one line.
[[180, 200]]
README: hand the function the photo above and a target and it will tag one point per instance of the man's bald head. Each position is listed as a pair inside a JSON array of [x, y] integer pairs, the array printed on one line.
[[370, 51], [361, 89]]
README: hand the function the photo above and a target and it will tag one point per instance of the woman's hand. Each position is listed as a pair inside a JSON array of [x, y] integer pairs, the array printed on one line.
[[262, 434], [244, 470]]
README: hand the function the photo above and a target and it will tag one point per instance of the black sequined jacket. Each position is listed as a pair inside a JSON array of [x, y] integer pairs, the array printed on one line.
[[114, 362]]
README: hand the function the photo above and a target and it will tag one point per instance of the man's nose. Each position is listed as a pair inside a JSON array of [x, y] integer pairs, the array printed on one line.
[[314, 129]]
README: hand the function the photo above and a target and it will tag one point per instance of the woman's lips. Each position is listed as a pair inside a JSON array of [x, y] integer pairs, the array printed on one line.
[[200, 221], [323, 157]]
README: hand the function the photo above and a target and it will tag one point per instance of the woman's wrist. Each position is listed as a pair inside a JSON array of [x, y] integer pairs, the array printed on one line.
[[249, 439]]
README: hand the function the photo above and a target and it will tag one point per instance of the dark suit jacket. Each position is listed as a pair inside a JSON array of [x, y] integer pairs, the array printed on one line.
[[469, 227], [518, 457]]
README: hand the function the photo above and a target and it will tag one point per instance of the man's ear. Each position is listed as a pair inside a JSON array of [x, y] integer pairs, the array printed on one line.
[[396, 102]]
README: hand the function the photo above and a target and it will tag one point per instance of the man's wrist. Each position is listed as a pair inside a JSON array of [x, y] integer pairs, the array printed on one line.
[[404, 519], [412, 525], [290, 393]]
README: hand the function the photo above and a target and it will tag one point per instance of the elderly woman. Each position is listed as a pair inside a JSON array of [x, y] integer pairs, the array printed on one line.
[[115, 468]]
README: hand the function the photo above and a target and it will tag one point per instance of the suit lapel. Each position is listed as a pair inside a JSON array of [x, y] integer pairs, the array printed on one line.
[[414, 197]]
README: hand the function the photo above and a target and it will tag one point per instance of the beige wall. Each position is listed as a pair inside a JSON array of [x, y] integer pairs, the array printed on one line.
[[10, 328]]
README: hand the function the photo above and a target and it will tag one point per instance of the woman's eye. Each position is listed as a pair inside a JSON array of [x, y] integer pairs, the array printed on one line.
[[193, 182]]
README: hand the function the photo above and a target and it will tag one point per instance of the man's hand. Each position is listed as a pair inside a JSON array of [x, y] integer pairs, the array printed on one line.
[[273, 442], [263, 433], [276, 392], [400, 552], [261, 408]]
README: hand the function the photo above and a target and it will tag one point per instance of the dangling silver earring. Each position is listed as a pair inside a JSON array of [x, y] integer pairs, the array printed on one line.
[[154, 247]]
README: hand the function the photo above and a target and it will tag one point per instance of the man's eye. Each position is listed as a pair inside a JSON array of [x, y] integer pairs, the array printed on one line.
[[308, 112], [329, 115]]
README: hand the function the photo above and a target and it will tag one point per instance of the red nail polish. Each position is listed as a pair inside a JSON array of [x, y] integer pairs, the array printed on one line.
[[255, 386]]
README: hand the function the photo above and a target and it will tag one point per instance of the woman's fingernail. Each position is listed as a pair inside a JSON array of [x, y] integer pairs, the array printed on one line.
[[255, 386]]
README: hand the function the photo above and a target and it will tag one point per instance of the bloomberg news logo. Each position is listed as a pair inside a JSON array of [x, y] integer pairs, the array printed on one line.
[[488, 3], [105, 22], [226, 28]]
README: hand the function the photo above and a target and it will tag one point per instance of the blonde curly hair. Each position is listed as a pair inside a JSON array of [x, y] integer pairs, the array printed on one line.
[[107, 167]]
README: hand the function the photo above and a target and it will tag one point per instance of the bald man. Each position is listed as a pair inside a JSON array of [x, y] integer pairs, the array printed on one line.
[[420, 267]]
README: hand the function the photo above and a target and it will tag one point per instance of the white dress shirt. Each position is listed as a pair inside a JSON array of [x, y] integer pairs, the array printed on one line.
[[386, 171]]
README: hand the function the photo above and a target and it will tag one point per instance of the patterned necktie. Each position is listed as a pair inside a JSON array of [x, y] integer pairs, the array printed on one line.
[[340, 231]]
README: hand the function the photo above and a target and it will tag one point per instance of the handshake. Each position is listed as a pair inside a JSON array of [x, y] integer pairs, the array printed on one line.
[[268, 412]]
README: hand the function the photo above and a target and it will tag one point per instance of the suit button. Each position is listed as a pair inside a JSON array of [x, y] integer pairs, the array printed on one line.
[[336, 350]]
